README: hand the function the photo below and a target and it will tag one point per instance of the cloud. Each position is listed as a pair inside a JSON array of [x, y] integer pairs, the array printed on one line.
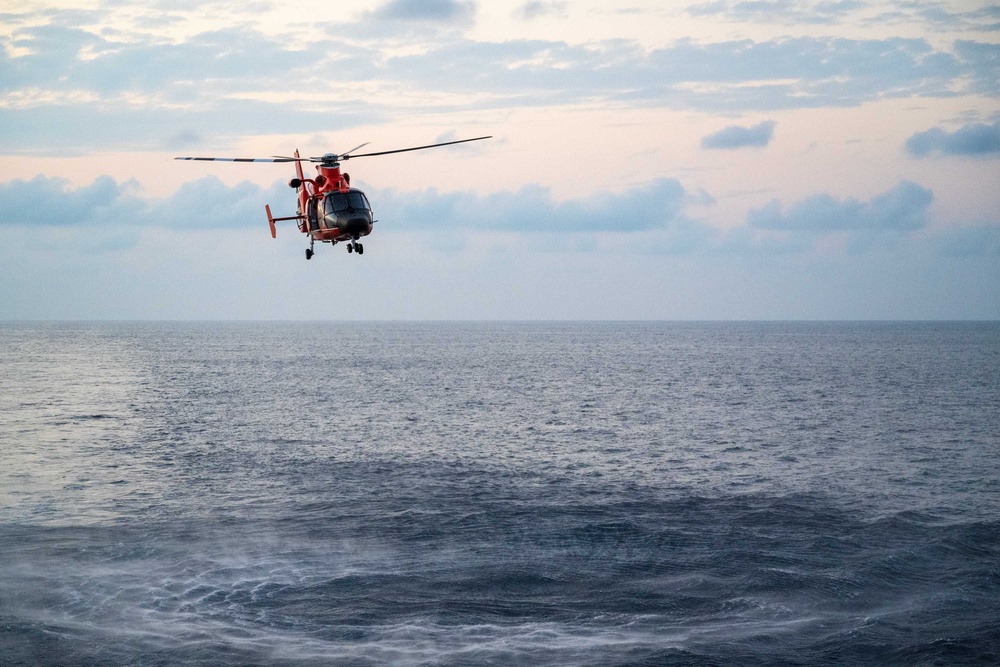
[[536, 8], [652, 216], [72, 128], [904, 208], [76, 59], [440, 11], [657, 205], [735, 136], [50, 201], [113, 77], [184, 138], [730, 76], [982, 60], [203, 203], [974, 139], [936, 15], [208, 203], [779, 11], [64, 86]]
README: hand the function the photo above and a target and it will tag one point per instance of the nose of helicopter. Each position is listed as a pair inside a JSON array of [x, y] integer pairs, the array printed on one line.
[[359, 223], [356, 222]]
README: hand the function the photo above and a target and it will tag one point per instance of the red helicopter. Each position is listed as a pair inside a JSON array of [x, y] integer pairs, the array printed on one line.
[[329, 209]]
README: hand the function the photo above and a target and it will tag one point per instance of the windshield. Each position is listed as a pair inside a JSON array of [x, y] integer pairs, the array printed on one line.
[[335, 202], [357, 200], [338, 202]]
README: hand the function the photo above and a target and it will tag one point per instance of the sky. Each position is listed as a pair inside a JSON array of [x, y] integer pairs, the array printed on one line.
[[650, 160]]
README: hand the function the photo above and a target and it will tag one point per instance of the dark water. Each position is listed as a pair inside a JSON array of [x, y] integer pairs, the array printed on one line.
[[535, 494]]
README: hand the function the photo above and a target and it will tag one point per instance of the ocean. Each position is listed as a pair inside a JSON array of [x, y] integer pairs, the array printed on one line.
[[489, 493]]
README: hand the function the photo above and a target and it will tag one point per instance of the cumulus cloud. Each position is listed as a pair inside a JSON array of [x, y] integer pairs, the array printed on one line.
[[974, 139], [658, 206], [735, 136], [649, 219], [51, 201], [532, 209], [655, 209], [206, 203], [904, 208]]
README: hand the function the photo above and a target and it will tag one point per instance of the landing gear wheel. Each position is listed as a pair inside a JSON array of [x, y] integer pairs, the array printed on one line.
[[309, 253], [350, 248], [360, 248]]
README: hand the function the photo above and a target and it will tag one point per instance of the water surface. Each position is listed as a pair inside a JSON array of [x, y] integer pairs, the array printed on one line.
[[499, 493]]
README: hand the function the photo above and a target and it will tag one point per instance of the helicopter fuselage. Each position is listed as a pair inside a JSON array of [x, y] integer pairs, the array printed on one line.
[[338, 216], [331, 209]]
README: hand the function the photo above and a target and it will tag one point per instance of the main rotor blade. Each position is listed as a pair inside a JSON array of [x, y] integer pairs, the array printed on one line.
[[239, 159], [345, 154], [415, 148], [342, 156]]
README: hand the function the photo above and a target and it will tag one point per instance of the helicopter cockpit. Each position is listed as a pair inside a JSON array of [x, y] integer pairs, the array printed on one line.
[[346, 202], [347, 212]]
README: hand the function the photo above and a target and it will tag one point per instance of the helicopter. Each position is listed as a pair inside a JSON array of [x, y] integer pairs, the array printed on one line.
[[329, 210]]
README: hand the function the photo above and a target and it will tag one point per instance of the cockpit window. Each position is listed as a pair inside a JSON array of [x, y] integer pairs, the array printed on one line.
[[357, 200], [336, 202]]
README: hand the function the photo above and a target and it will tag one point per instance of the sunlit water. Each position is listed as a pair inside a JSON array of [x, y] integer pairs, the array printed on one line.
[[536, 493]]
